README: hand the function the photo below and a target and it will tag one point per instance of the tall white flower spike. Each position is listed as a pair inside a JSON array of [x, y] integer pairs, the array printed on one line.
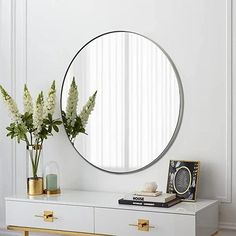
[[28, 102], [50, 102], [72, 101], [38, 114], [11, 104], [87, 109]]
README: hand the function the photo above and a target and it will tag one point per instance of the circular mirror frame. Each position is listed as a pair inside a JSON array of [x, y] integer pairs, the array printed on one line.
[[181, 107]]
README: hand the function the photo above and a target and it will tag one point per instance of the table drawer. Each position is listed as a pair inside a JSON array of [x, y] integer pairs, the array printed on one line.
[[108, 221], [66, 217]]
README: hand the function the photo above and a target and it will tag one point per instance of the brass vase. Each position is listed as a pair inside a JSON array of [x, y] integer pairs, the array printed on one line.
[[35, 186]]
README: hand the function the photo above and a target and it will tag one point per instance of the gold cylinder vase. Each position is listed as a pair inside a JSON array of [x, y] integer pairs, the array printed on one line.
[[35, 186]]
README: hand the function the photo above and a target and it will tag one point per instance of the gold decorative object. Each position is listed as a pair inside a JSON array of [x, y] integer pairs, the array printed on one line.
[[47, 216], [35, 186], [26, 231], [143, 225], [49, 192]]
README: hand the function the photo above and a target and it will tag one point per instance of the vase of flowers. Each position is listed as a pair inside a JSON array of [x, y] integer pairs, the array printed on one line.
[[33, 126]]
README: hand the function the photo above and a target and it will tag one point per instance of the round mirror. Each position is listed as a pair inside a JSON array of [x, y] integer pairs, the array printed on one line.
[[121, 102]]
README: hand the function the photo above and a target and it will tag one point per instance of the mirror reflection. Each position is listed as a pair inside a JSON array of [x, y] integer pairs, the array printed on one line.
[[127, 103]]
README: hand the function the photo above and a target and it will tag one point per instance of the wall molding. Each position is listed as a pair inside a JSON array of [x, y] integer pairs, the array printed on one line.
[[13, 85], [20, 78], [229, 112], [227, 198]]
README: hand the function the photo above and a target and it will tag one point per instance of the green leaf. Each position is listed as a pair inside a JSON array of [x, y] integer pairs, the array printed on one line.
[[55, 128], [46, 121], [50, 129], [50, 116], [57, 122]]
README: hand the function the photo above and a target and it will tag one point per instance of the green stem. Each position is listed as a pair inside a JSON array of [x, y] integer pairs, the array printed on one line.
[[35, 170], [31, 138], [37, 156], [37, 159], [31, 153], [26, 140]]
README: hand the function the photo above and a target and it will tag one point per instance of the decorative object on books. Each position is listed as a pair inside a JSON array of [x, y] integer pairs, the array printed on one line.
[[139, 100], [183, 179], [148, 194], [52, 178], [33, 126], [150, 187], [74, 123]]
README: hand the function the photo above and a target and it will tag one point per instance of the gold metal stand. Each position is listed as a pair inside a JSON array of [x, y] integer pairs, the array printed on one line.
[[49, 192], [27, 230]]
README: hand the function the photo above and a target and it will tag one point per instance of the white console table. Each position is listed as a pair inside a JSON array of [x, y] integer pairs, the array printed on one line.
[[98, 213]]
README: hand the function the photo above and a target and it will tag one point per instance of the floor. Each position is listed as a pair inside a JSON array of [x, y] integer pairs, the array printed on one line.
[[227, 233]]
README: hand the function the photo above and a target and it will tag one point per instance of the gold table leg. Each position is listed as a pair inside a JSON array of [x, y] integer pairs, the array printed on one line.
[[26, 231]]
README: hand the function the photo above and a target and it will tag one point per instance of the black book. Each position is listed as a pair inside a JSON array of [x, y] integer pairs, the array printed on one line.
[[151, 204]]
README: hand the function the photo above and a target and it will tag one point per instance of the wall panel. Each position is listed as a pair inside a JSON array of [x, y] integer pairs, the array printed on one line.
[[47, 35]]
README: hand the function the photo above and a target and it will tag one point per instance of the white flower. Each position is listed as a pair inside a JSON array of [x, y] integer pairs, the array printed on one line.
[[50, 103], [72, 101], [11, 104], [27, 99], [87, 109], [38, 114]]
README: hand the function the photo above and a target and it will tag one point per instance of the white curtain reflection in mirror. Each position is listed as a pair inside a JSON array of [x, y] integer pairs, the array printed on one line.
[[137, 103]]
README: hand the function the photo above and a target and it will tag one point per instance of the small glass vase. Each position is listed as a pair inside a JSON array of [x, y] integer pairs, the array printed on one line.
[[34, 167]]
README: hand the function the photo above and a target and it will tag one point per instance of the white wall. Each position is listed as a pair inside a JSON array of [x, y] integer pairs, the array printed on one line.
[[195, 34]]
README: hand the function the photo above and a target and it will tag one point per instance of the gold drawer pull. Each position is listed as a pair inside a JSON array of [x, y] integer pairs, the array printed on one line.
[[143, 225], [47, 216]]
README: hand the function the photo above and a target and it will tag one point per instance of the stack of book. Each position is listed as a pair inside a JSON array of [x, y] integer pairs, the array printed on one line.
[[156, 199]]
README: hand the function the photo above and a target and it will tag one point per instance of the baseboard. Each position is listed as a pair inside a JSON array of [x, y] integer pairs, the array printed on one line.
[[227, 225], [5, 232]]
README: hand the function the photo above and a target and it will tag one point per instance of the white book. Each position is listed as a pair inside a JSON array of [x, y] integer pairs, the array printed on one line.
[[163, 198], [148, 194]]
